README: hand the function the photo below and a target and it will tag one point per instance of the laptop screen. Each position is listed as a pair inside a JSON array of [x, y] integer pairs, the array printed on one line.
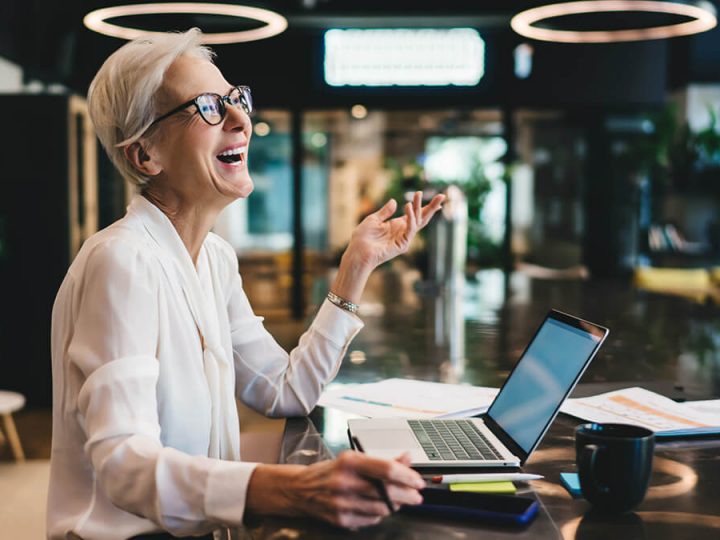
[[541, 380]]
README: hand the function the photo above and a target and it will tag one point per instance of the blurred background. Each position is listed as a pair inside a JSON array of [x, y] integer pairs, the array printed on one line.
[[582, 176]]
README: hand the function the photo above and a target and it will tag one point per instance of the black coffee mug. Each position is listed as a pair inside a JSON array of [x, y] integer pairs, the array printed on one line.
[[614, 464]]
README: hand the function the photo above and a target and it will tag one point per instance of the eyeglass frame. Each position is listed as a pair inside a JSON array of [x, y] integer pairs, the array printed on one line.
[[248, 108]]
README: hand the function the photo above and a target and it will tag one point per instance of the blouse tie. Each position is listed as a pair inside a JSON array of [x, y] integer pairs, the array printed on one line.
[[217, 362]]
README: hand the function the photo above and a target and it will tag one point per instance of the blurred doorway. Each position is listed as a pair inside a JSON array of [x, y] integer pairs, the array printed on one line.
[[547, 186]]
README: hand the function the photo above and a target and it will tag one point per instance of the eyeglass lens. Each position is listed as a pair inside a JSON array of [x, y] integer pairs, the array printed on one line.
[[212, 106]]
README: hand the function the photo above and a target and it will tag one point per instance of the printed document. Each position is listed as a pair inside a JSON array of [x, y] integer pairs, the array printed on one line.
[[710, 406], [407, 398], [647, 409]]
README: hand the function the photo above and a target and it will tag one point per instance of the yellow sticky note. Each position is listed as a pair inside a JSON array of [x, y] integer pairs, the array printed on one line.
[[485, 487]]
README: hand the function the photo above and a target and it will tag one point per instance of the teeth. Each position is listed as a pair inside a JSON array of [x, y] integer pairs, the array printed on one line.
[[234, 151]]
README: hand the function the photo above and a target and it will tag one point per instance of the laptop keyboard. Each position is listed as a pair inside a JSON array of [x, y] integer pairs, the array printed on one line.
[[452, 440]]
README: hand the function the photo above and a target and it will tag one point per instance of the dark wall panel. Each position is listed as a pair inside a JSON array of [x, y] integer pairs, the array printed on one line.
[[596, 74], [35, 255]]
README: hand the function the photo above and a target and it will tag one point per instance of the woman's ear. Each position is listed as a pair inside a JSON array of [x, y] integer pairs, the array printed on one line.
[[142, 159]]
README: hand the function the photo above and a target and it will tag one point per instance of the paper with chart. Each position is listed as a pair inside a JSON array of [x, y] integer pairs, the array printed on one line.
[[709, 406], [407, 398], [647, 409]]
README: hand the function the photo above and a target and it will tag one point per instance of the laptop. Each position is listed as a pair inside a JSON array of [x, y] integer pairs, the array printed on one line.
[[518, 417]]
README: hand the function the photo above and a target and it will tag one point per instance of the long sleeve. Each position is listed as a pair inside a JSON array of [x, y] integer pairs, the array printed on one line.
[[276, 383], [114, 346]]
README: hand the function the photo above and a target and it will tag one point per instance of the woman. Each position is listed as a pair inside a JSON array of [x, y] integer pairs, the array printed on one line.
[[153, 336]]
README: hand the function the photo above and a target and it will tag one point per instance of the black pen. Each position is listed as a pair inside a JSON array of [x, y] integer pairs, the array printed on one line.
[[376, 482]]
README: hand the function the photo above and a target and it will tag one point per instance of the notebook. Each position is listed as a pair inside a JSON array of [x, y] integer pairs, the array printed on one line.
[[518, 418]]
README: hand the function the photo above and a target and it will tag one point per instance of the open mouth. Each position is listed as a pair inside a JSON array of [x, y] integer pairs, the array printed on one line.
[[234, 156]]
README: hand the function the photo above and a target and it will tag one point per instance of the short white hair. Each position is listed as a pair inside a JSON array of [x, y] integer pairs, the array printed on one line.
[[123, 95]]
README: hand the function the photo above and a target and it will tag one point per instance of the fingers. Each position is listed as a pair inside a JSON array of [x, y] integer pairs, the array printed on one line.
[[416, 215], [404, 458], [345, 491], [349, 482], [410, 221], [393, 472], [346, 510], [429, 210], [351, 520], [366, 507], [348, 500], [413, 214], [417, 206], [387, 210], [403, 496], [367, 499], [400, 481], [399, 495], [423, 214]]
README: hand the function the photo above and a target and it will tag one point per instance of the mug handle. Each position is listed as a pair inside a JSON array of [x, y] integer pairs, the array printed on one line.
[[588, 456]]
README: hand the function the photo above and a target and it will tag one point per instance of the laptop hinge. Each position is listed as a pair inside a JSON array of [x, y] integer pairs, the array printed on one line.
[[504, 438]]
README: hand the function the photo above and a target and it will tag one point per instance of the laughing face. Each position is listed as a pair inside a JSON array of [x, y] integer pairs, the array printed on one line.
[[199, 162]]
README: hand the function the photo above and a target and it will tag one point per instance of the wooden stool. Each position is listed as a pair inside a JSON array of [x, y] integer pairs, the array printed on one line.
[[9, 403]]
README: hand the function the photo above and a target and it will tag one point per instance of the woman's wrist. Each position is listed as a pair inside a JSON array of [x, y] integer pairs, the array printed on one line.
[[342, 303], [351, 278], [269, 490]]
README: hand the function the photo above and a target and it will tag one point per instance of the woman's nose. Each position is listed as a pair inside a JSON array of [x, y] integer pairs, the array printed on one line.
[[237, 119]]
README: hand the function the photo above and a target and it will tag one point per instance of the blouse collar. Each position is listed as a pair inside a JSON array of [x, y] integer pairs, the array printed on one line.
[[161, 230]]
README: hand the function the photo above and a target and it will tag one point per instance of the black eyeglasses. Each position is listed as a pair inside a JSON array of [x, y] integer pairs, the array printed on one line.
[[212, 107]]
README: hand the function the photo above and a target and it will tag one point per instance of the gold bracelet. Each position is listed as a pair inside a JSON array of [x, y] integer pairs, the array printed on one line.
[[342, 303]]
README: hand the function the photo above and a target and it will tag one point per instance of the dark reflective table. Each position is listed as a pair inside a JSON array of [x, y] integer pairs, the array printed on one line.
[[683, 501], [474, 333]]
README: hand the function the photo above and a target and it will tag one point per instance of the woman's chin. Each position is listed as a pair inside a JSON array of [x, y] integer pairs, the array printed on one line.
[[246, 190], [238, 187]]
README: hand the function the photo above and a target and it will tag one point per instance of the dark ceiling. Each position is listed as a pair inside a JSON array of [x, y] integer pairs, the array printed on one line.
[[47, 39]]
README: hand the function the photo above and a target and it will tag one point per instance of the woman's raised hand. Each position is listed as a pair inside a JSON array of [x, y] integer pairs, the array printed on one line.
[[338, 491], [378, 239]]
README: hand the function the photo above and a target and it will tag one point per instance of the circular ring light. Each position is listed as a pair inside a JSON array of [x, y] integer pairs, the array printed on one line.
[[702, 15], [274, 22]]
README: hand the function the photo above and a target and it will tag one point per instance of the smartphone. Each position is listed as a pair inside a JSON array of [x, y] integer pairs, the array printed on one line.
[[503, 509]]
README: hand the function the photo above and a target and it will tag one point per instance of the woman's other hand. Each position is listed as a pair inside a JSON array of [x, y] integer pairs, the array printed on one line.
[[338, 491], [378, 239]]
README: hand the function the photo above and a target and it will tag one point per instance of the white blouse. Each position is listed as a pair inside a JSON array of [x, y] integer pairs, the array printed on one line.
[[148, 353]]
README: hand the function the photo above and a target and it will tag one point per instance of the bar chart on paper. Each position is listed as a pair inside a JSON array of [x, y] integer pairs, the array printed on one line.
[[407, 398], [644, 408]]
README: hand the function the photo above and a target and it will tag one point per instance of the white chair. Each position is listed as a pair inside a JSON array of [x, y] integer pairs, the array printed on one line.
[[9, 403]]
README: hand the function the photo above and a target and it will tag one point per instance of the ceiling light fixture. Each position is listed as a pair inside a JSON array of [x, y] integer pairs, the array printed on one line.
[[701, 13], [274, 22], [404, 57]]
